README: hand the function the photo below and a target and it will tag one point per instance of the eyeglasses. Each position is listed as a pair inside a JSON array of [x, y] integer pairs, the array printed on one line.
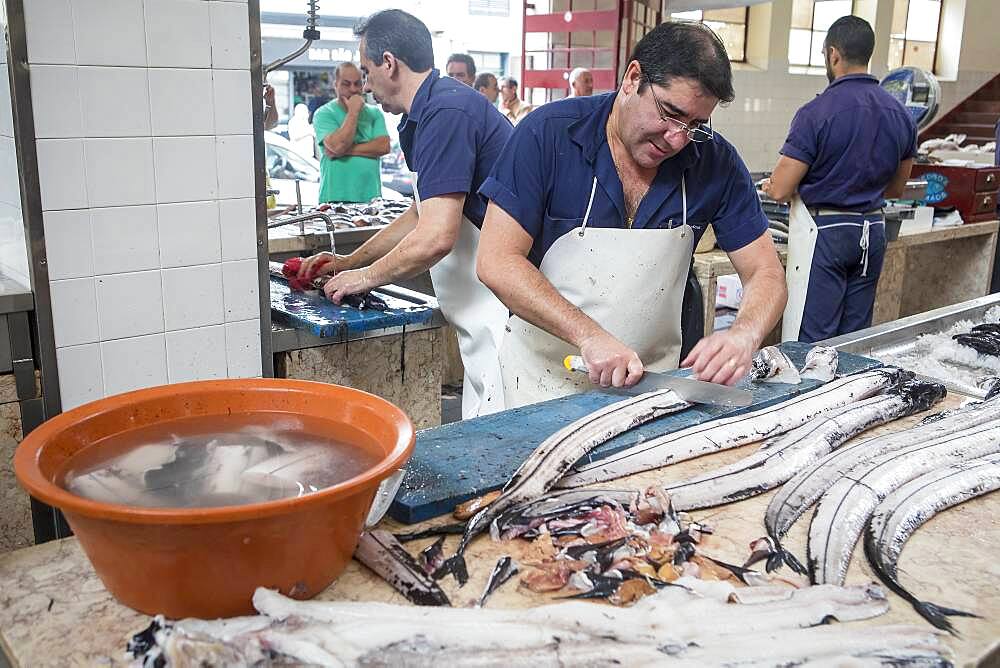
[[698, 133]]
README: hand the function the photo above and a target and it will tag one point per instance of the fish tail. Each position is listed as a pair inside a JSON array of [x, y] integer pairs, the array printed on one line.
[[454, 565], [792, 562], [938, 615]]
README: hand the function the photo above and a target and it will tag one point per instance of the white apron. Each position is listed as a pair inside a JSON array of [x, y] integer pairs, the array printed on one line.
[[477, 316], [631, 282], [802, 233]]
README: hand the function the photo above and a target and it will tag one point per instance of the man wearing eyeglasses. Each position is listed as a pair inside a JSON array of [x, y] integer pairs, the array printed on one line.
[[596, 205], [847, 150]]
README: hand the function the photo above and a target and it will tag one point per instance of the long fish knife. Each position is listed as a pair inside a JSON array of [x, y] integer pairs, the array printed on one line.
[[688, 389]]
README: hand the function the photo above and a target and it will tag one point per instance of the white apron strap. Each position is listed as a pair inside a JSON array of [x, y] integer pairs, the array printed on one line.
[[590, 204]]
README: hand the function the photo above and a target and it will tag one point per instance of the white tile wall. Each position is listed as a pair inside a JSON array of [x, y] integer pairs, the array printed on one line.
[[230, 35], [74, 311], [178, 33], [243, 348], [185, 168], [119, 171], [60, 173], [189, 233], [129, 304], [235, 152], [94, 21], [134, 363], [49, 28], [68, 244], [181, 102], [55, 98], [231, 97], [125, 239], [191, 297], [145, 149], [115, 101], [239, 234], [196, 354], [240, 289], [81, 376]]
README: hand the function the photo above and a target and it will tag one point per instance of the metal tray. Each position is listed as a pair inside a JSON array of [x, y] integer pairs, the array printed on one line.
[[900, 335]]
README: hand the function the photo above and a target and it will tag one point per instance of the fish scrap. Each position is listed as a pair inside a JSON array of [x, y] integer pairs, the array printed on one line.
[[505, 569], [556, 454], [781, 458], [677, 626], [984, 339], [732, 432], [772, 365], [906, 509], [381, 552], [821, 364]]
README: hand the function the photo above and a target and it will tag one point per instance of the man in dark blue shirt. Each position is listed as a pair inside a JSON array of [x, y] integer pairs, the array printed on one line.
[[596, 205], [451, 136], [847, 150]]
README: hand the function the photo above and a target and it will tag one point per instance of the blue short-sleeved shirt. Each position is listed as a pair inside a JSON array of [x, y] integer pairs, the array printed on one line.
[[853, 137], [544, 177], [451, 138]]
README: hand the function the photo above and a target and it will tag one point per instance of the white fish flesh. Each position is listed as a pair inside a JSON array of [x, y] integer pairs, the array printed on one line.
[[806, 487], [909, 507], [731, 432], [556, 454], [780, 458], [821, 364], [846, 507], [672, 627], [771, 365]]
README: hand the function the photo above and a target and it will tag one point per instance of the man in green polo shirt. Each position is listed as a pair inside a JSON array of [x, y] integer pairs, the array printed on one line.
[[351, 137]]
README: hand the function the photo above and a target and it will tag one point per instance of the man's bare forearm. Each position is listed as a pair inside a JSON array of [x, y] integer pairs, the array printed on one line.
[[341, 140], [383, 241], [764, 297], [375, 148]]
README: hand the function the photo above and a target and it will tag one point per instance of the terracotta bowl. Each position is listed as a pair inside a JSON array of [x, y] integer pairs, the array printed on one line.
[[206, 562]]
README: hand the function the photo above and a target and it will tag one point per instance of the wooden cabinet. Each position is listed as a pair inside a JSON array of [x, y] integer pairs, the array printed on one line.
[[971, 190]]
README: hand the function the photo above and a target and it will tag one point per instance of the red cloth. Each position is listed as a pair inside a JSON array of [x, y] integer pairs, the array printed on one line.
[[291, 270]]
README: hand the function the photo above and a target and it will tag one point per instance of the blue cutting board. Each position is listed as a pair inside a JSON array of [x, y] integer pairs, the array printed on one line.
[[458, 461], [314, 313]]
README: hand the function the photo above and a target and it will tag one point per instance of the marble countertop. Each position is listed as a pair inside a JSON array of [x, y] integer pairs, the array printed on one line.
[[54, 611]]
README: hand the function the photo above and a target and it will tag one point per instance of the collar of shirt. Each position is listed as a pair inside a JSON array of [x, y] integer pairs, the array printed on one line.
[[864, 78], [590, 134], [420, 99]]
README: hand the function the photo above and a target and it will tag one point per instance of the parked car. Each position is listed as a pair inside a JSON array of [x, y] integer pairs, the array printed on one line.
[[285, 166], [395, 174]]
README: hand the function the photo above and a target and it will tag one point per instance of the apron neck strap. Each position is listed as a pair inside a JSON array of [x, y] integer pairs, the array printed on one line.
[[590, 203], [593, 189], [684, 200]]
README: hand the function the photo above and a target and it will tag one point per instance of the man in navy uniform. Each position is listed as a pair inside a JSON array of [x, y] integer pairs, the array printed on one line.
[[847, 151]]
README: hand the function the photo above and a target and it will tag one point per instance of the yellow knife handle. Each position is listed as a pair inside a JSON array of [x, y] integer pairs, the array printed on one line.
[[575, 363]]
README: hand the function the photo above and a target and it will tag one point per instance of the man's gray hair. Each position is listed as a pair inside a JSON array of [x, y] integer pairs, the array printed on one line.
[[577, 73]]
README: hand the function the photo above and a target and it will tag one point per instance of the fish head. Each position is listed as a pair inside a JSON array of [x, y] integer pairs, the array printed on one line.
[[921, 395]]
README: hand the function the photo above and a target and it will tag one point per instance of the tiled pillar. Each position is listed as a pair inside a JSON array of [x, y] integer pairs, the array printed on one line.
[[144, 137], [13, 251]]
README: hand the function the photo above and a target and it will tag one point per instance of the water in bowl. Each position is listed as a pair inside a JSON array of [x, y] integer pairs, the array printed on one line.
[[211, 461]]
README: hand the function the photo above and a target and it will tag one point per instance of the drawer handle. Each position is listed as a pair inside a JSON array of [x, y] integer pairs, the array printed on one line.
[[990, 178]]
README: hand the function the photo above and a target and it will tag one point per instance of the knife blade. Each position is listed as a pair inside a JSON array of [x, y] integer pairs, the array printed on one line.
[[688, 389]]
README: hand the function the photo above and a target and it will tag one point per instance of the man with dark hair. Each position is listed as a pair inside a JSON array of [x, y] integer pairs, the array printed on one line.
[[596, 205], [462, 67], [847, 150], [351, 137], [510, 104], [486, 84], [450, 136]]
